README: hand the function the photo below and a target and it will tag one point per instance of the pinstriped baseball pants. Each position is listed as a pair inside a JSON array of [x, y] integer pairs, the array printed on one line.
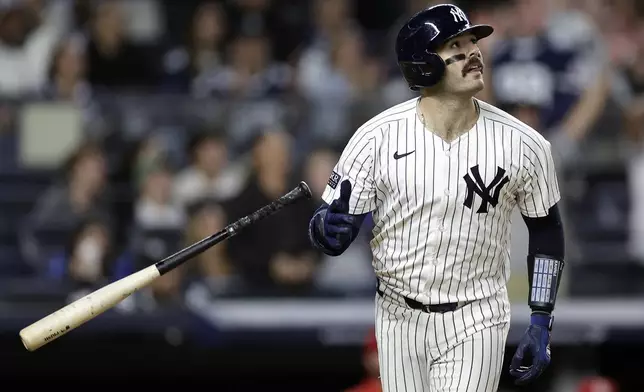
[[460, 351]]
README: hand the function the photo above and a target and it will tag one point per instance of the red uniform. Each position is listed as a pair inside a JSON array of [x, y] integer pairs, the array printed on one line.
[[597, 384], [371, 383], [367, 385]]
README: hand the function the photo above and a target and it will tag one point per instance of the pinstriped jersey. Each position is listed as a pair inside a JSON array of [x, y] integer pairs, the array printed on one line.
[[442, 210]]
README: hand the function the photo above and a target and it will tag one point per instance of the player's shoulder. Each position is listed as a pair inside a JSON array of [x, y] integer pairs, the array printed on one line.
[[369, 137], [393, 114], [512, 125]]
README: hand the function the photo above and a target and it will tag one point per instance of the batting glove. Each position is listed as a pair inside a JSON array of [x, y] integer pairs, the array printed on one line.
[[332, 229], [536, 342]]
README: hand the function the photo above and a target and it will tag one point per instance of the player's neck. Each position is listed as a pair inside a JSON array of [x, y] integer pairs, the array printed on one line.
[[448, 118]]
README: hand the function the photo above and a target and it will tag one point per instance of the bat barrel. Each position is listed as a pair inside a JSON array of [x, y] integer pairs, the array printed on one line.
[[84, 309]]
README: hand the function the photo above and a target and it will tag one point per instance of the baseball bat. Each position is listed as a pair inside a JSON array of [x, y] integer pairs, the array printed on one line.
[[77, 313]]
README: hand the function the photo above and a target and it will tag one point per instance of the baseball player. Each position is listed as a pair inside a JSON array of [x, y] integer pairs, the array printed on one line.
[[441, 175]]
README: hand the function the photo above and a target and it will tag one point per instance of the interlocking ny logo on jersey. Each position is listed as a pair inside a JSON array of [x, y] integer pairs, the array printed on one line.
[[489, 193]]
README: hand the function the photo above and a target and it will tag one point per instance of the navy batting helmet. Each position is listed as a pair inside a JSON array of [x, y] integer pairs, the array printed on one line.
[[423, 34]]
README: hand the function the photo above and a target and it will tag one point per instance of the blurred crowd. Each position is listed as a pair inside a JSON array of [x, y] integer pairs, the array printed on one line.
[[195, 113]]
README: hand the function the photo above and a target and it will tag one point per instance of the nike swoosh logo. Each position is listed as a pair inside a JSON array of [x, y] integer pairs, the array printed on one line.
[[398, 156]]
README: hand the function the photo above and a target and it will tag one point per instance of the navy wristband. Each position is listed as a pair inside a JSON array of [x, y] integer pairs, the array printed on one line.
[[541, 319]]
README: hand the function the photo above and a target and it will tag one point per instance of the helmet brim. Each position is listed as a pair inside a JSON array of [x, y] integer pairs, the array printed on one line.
[[480, 31]]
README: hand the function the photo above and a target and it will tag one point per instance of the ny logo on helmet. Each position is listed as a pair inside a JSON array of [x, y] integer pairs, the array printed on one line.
[[459, 15]]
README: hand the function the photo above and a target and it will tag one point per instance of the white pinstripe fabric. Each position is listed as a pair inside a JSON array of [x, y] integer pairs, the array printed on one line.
[[431, 245], [427, 244], [459, 351]]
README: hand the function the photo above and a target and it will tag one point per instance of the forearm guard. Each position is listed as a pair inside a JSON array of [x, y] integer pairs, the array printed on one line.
[[544, 276]]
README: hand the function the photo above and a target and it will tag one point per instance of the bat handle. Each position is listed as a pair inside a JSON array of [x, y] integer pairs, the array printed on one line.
[[300, 192], [169, 263]]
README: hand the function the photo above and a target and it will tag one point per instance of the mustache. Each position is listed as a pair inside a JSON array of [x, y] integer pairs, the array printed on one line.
[[473, 61]]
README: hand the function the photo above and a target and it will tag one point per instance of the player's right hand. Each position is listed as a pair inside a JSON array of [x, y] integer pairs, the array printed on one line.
[[335, 227]]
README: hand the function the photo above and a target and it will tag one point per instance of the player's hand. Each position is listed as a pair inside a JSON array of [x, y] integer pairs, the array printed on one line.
[[337, 224], [535, 343]]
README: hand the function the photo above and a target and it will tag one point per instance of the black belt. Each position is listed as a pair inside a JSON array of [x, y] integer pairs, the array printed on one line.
[[440, 308]]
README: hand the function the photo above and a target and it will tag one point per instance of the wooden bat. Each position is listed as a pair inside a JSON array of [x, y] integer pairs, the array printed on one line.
[[84, 309]]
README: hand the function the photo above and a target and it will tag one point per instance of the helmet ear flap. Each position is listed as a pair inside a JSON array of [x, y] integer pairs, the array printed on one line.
[[425, 73], [437, 65]]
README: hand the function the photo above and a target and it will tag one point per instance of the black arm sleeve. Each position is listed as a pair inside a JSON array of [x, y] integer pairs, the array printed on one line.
[[546, 234]]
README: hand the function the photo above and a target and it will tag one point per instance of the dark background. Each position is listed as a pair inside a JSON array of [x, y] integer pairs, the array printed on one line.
[[129, 129]]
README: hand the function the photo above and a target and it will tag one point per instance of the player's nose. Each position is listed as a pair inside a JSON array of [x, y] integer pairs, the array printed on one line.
[[475, 55], [474, 51]]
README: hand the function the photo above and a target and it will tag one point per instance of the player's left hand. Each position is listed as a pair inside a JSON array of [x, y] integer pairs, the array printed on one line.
[[536, 342]]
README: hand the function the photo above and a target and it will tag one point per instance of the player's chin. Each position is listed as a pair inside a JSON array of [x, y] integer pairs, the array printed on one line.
[[473, 86], [473, 75]]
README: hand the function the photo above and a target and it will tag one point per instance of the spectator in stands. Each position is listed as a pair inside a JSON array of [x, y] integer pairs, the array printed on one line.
[[147, 247], [208, 217], [149, 151], [203, 50], [253, 81], [286, 22], [155, 207], [333, 24], [165, 291], [157, 232], [554, 63], [497, 13], [635, 121], [318, 167], [272, 256], [371, 381], [67, 79], [67, 73], [88, 259], [9, 160], [157, 229], [634, 72], [330, 17], [113, 60], [617, 22], [597, 384], [251, 17], [250, 72], [29, 32], [365, 74], [210, 173], [81, 193], [331, 78]]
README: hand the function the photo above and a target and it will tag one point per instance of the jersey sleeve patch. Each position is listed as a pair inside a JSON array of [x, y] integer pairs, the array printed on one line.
[[334, 180]]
